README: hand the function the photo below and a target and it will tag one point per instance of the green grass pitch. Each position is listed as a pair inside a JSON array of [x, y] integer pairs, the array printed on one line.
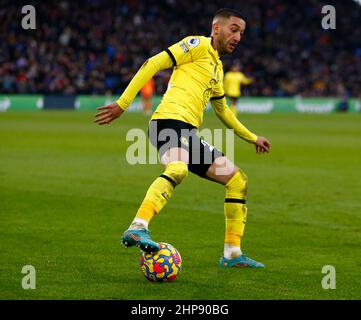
[[67, 194]]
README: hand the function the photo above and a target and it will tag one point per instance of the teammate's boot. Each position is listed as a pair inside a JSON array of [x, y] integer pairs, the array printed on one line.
[[240, 262], [140, 238]]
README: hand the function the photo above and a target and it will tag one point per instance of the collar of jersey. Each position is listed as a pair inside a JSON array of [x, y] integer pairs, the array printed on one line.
[[213, 51]]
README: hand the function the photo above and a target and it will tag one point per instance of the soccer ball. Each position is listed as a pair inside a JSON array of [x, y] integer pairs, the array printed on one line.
[[165, 265]]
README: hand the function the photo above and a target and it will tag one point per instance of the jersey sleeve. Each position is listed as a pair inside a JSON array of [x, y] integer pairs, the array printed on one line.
[[149, 68], [187, 50], [245, 80], [218, 91], [226, 82], [230, 120]]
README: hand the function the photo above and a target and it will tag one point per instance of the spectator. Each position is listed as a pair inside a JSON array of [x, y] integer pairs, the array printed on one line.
[[92, 46]]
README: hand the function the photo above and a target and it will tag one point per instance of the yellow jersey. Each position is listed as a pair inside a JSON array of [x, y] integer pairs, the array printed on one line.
[[197, 77], [233, 81]]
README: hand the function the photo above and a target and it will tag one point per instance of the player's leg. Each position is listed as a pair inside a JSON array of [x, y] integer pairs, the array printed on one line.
[[157, 196], [226, 173], [175, 161], [214, 166]]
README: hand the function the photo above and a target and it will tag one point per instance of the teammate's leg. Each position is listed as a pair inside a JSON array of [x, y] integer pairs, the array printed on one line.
[[234, 105], [225, 172]]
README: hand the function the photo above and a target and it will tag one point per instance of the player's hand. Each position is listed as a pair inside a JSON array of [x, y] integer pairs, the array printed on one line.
[[262, 145], [108, 113]]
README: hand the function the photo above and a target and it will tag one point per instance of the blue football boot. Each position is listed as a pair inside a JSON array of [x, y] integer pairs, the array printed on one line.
[[140, 238], [240, 262]]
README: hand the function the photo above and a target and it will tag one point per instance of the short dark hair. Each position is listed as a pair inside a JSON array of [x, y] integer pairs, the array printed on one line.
[[227, 13]]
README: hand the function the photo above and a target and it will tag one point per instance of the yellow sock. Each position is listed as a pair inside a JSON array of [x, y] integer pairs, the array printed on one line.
[[235, 209], [161, 190]]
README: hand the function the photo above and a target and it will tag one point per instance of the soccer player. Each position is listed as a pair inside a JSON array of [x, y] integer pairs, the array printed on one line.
[[197, 78], [233, 80]]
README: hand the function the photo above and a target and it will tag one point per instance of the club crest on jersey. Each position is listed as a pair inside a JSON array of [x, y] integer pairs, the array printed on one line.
[[193, 42]]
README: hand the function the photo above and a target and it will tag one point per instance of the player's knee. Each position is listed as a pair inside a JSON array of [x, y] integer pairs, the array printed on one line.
[[177, 171], [238, 183]]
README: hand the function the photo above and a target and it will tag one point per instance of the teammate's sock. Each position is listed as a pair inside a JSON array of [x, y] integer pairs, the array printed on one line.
[[235, 211], [161, 190]]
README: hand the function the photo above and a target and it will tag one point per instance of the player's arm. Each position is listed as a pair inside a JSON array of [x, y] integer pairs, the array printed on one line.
[[246, 80], [150, 67], [230, 120]]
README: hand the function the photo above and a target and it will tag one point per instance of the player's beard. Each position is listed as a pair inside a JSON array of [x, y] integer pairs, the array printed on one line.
[[225, 44]]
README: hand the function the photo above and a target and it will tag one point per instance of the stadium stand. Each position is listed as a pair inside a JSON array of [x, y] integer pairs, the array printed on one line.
[[95, 47]]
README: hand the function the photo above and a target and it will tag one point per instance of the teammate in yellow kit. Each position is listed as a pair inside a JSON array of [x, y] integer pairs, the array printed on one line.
[[197, 78], [233, 80]]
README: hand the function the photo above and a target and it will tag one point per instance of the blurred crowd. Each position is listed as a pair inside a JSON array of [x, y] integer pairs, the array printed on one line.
[[96, 46]]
